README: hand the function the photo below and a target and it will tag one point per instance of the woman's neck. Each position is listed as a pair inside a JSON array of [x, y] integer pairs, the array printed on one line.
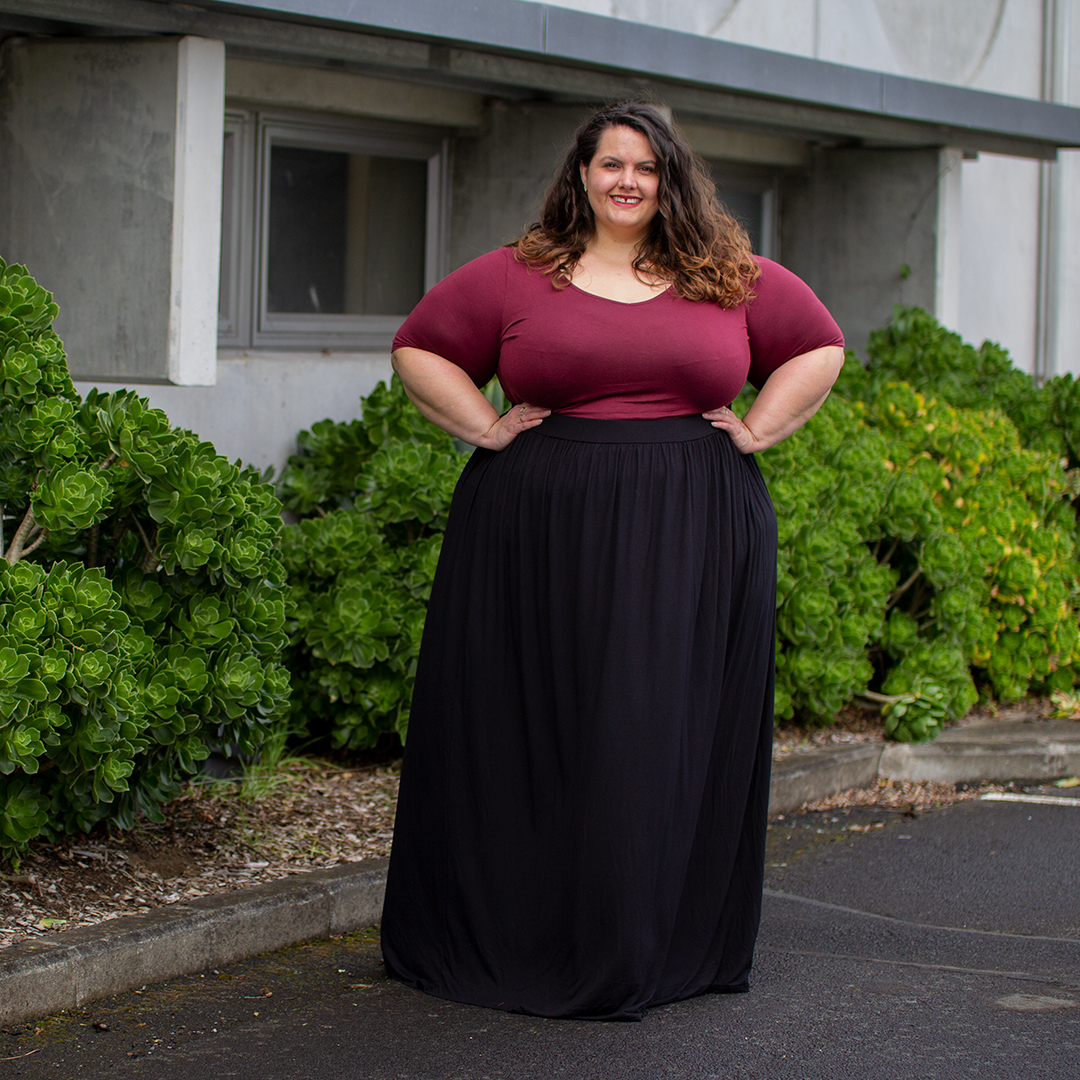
[[611, 250], [607, 269]]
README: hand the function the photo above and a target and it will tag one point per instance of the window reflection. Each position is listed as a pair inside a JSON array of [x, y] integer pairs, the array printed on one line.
[[346, 233]]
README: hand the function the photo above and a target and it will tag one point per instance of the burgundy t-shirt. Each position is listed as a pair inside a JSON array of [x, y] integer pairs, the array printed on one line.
[[582, 354]]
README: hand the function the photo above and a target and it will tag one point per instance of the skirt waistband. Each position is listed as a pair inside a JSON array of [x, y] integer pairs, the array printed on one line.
[[589, 429]]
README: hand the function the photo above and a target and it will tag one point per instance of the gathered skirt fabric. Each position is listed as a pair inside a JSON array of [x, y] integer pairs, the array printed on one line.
[[581, 823]]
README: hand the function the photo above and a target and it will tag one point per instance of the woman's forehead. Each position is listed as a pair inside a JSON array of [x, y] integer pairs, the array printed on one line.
[[624, 143]]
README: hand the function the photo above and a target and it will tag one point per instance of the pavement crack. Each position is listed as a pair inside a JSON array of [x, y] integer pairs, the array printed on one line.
[[1026, 976], [810, 902]]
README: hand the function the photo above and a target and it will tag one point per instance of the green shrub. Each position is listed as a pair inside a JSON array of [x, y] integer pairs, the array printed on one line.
[[924, 549], [926, 544], [915, 348], [372, 496], [828, 483], [141, 593]]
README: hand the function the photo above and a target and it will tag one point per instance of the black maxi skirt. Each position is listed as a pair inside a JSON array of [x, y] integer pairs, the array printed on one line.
[[581, 823]]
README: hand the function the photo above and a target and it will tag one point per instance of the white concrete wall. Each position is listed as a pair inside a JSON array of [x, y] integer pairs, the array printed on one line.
[[1068, 325], [262, 400], [968, 42], [348, 94], [949, 275], [196, 226], [994, 45], [999, 252]]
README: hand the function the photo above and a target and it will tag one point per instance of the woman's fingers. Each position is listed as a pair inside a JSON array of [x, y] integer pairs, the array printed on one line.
[[724, 419], [512, 423], [529, 416]]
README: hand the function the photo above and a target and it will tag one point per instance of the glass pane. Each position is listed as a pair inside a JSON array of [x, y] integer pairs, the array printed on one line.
[[347, 233], [306, 265], [228, 172]]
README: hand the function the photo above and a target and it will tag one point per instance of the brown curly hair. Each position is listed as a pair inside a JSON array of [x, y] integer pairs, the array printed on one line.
[[692, 241]]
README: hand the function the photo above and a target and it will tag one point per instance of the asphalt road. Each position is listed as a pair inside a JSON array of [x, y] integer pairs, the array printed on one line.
[[944, 946]]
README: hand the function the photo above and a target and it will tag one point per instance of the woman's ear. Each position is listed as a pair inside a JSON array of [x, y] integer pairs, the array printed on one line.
[[584, 172]]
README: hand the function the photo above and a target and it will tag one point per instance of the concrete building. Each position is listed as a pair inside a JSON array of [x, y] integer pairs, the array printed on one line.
[[236, 203]]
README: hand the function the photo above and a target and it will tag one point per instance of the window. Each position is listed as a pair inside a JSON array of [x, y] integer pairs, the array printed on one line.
[[331, 230], [750, 195]]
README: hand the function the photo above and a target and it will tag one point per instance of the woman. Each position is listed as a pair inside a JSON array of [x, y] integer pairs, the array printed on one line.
[[581, 824]]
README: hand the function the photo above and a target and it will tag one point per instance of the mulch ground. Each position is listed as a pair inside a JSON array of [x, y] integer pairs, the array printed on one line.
[[308, 814], [218, 836]]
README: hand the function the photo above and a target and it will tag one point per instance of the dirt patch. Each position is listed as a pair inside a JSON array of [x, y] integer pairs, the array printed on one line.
[[170, 862], [217, 836], [905, 796], [853, 725]]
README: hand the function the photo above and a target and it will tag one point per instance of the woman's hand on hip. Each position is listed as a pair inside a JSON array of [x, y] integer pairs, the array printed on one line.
[[790, 396], [447, 396], [511, 424], [746, 442]]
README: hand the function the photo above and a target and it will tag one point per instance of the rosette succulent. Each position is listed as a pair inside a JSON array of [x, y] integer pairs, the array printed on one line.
[[141, 591]]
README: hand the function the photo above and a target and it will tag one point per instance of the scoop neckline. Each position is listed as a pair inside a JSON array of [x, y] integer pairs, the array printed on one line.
[[623, 303]]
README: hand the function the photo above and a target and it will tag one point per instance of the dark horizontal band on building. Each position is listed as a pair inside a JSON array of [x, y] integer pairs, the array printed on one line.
[[512, 48]]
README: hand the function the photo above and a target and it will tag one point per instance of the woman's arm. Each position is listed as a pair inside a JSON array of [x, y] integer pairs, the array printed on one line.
[[790, 396], [446, 395]]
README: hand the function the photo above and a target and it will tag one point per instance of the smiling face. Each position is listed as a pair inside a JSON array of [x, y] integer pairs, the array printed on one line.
[[623, 184]]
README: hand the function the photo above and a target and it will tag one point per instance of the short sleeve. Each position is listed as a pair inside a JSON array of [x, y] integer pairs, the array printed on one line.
[[784, 319], [461, 318]]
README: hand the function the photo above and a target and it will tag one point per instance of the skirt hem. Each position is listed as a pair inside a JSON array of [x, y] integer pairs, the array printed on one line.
[[626, 1015]]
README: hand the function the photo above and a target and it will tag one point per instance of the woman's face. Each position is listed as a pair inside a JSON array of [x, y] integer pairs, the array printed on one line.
[[622, 183]]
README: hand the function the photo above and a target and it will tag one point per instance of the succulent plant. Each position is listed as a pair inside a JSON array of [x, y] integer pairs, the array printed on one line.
[[141, 592]]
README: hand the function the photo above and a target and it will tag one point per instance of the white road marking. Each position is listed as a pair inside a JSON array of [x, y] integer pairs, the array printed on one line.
[[1042, 800], [1035, 1003]]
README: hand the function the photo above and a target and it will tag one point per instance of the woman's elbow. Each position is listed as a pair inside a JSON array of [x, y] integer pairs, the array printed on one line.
[[836, 360], [831, 363]]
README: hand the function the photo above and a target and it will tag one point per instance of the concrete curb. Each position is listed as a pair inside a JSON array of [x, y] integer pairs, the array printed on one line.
[[817, 774], [994, 751], [75, 967]]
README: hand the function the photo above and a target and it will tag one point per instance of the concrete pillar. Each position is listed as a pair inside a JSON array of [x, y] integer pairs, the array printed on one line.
[[861, 228], [949, 228], [1067, 358], [110, 164], [1057, 18]]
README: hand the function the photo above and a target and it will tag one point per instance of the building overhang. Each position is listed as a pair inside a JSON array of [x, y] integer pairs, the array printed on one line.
[[517, 48]]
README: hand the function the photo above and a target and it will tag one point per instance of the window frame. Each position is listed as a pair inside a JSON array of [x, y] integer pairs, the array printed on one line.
[[253, 325], [234, 326]]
